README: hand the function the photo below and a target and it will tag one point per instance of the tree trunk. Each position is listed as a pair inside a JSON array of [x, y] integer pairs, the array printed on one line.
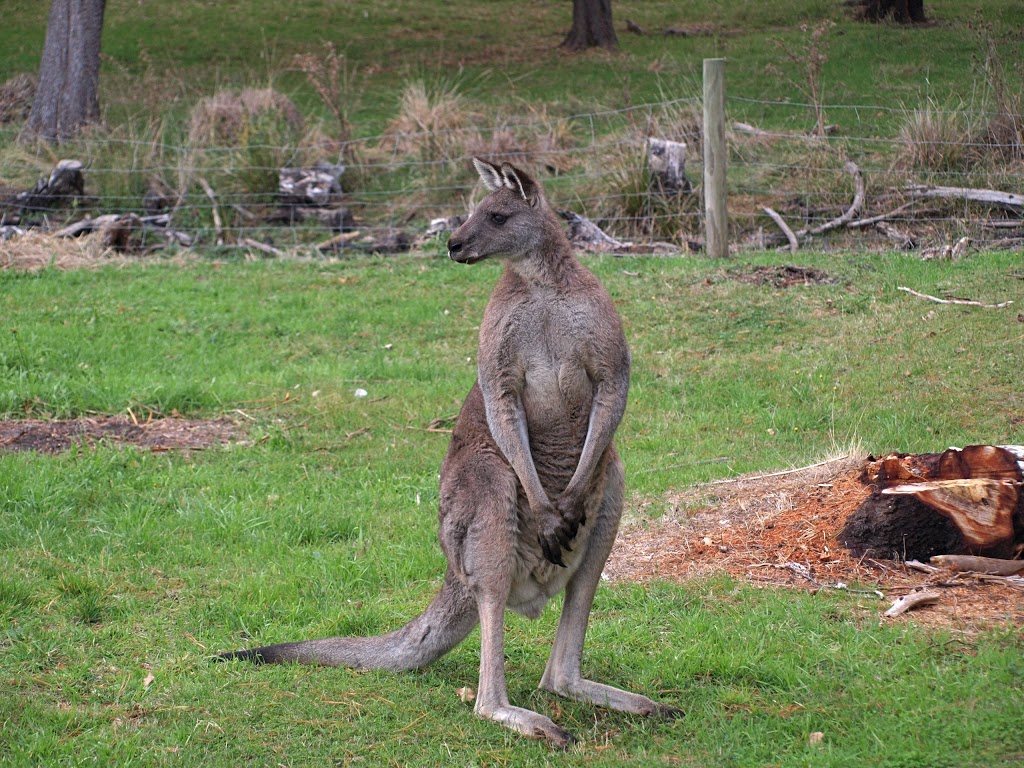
[[900, 11], [591, 26], [68, 93]]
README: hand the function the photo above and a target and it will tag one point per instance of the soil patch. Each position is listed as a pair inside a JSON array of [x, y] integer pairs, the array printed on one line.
[[783, 276], [157, 434], [781, 530]]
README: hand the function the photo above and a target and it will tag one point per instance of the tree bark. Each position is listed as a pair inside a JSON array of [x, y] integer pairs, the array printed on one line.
[[591, 26], [68, 95]]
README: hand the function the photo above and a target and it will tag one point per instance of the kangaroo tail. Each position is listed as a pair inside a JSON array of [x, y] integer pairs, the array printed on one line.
[[444, 624]]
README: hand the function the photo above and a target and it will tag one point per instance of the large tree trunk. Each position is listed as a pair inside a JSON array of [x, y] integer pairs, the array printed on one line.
[[68, 93], [901, 11], [591, 26]]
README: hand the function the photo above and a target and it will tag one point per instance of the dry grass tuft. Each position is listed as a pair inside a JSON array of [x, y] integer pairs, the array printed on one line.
[[935, 138], [34, 251], [431, 124], [228, 117], [16, 98]]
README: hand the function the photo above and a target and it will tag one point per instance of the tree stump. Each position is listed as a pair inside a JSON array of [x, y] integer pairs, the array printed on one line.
[[667, 163], [63, 186], [957, 502], [316, 186]]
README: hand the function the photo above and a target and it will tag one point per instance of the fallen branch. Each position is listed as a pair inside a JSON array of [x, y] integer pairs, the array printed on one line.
[[965, 302], [911, 601], [882, 217], [1007, 200], [217, 228], [858, 202], [248, 242], [794, 244]]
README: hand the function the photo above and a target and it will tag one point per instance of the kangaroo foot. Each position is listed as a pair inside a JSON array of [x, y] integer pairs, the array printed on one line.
[[530, 724]]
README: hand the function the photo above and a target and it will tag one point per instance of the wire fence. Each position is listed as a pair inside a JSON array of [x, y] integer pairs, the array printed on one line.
[[228, 190]]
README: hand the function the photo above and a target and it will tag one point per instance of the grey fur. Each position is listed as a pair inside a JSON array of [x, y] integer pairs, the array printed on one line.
[[531, 487]]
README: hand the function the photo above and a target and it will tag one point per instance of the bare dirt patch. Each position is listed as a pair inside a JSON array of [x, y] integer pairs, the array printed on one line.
[[162, 434], [781, 530], [783, 276]]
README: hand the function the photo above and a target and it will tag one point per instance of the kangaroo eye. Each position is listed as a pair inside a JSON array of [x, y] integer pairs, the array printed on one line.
[[499, 218]]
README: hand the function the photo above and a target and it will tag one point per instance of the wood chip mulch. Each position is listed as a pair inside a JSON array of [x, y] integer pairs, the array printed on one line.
[[781, 530]]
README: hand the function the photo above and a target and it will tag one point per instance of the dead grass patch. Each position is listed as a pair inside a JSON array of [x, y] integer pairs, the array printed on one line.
[[780, 530]]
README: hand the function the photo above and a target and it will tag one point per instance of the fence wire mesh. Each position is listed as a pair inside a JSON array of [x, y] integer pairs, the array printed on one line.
[[226, 188]]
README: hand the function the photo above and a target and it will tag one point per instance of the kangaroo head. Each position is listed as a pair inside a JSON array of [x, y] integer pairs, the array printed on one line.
[[507, 224]]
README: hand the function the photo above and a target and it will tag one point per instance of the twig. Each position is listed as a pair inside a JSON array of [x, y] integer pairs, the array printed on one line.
[[217, 228], [794, 244], [911, 601], [965, 302]]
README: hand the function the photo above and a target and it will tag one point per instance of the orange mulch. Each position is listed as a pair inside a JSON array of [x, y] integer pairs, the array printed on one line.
[[780, 530]]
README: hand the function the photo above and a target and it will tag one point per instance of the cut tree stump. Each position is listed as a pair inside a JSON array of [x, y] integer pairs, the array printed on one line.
[[667, 162], [965, 501]]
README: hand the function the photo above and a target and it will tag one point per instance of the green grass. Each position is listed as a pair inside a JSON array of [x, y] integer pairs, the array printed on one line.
[[120, 563]]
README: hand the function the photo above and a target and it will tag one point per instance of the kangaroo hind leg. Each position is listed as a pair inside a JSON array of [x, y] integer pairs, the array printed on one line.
[[563, 674]]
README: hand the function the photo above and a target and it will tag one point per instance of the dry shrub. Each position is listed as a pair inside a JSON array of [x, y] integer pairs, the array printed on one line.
[[531, 139], [16, 97], [227, 118], [1004, 133], [431, 124], [339, 86]]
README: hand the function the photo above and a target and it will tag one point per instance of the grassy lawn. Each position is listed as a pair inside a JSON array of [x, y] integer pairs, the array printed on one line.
[[118, 564], [122, 570]]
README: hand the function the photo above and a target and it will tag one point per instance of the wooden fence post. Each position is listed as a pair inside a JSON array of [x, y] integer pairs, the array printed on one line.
[[716, 218]]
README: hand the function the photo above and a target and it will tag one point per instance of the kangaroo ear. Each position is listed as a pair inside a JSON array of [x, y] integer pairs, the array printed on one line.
[[518, 181], [490, 175]]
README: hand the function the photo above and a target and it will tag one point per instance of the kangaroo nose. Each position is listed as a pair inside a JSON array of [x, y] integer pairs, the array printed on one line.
[[454, 246]]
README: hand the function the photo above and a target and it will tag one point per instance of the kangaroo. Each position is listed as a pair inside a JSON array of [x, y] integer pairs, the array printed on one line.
[[531, 487]]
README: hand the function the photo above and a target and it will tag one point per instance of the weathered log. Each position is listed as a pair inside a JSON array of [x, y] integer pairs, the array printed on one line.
[[970, 564], [667, 163], [1006, 200], [585, 234]]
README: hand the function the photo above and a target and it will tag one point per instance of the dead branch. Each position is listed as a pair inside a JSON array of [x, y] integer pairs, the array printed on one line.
[[248, 242], [965, 302], [846, 217], [1007, 200], [911, 601], [882, 217], [853, 210], [794, 244]]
